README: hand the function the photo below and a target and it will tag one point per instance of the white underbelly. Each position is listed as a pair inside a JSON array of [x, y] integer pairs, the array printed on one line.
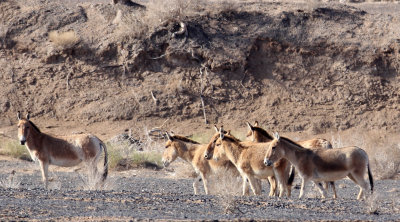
[[263, 173], [330, 176], [64, 162]]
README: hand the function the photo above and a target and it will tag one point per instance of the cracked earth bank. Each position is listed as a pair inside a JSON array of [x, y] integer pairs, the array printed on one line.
[[144, 194]]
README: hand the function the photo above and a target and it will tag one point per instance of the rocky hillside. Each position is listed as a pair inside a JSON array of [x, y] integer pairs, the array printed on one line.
[[314, 67]]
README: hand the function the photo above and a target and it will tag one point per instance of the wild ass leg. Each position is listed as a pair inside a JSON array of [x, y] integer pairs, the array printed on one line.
[[44, 167], [254, 185], [205, 182], [245, 187], [282, 183], [273, 185], [258, 185], [282, 176], [304, 182], [196, 182], [321, 189], [359, 179], [333, 189]]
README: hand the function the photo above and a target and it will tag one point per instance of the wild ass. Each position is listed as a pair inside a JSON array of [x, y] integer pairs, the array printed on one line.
[[246, 156], [66, 151], [192, 152], [323, 164], [258, 134]]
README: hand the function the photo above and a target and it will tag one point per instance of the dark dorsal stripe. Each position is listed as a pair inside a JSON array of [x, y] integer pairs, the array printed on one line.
[[34, 126], [292, 142], [184, 139], [263, 132], [233, 140]]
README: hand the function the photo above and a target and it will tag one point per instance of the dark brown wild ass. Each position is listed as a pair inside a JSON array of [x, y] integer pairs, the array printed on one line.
[[65, 151]]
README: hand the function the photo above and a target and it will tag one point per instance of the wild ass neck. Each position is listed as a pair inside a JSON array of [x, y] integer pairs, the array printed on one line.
[[232, 150], [35, 139], [293, 151], [187, 150]]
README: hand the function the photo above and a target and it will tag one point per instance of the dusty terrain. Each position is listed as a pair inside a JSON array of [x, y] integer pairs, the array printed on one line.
[[160, 195], [303, 68]]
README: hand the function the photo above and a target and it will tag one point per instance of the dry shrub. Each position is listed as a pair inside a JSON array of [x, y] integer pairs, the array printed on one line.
[[137, 23], [12, 181], [144, 152], [65, 39], [159, 11]]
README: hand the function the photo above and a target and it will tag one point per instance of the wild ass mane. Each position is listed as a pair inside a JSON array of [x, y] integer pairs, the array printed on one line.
[[34, 126], [184, 139], [298, 146], [234, 140], [263, 132]]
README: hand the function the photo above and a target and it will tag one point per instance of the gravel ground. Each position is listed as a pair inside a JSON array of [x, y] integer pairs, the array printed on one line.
[[155, 195]]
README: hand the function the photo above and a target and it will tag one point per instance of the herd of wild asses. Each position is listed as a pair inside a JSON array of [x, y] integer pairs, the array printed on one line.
[[264, 156]]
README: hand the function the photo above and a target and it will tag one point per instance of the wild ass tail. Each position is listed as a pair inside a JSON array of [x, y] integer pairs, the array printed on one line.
[[291, 176], [105, 173], [371, 180]]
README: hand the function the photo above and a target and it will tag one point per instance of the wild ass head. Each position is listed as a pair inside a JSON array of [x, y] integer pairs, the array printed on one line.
[[274, 151]]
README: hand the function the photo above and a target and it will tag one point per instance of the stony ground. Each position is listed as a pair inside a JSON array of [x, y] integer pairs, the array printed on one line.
[[160, 195]]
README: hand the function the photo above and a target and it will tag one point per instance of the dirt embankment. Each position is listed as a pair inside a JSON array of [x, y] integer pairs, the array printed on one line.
[[293, 66]]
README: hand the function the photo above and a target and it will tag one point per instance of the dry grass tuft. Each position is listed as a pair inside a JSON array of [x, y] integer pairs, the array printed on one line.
[[65, 39], [11, 181], [229, 204], [373, 203]]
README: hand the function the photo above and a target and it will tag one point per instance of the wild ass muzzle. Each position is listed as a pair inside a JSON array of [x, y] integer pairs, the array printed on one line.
[[322, 165], [65, 151]]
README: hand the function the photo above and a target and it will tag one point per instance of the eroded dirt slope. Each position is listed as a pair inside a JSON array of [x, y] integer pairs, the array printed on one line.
[[293, 66]]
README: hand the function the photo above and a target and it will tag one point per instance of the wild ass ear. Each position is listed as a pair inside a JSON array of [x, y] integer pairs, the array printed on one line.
[[229, 133], [276, 135], [221, 132], [28, 115], [216, 128], [250, 126], [168, 136], [256, 123], [19, 115], [172, 133]]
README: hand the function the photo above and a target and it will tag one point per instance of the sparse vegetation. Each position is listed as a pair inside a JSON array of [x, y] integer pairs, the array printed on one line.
[[121, 157], [14, 149], [64, 39], [12, 181]]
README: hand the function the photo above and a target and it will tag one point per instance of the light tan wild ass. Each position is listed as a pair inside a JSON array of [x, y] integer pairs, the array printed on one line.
[[192, 152], [246, 156], [323, 164], [258, 134], [64, 151]]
